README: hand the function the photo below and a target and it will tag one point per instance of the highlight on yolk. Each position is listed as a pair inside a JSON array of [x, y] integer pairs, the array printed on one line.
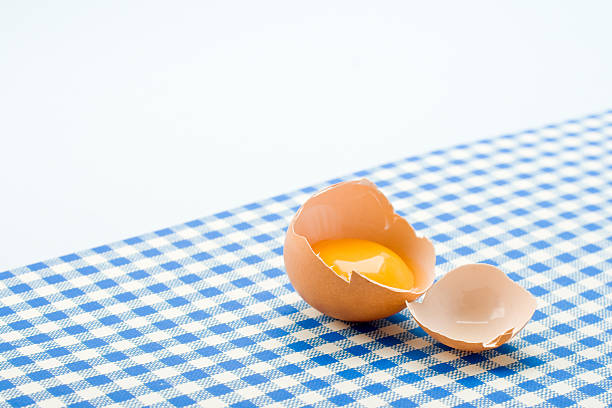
[[367, 258]]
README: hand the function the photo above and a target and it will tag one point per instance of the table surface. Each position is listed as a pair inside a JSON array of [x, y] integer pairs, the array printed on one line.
[[121, 118], [203, 311]]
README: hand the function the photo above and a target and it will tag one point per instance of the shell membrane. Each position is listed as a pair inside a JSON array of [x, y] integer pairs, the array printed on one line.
[[474, 307]]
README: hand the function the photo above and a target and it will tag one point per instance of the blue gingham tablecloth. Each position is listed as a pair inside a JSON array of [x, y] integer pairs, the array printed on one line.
[[203, 312]]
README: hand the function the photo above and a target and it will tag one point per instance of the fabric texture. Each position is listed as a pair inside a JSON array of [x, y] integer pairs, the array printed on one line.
[[203, 312]]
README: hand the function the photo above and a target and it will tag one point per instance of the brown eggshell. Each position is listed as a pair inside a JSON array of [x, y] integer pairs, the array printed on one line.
[[354, 209], [474, 307]]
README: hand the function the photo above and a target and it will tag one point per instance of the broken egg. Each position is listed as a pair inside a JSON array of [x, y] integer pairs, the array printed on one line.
[[356, 210], [350, 256], [474, 307]]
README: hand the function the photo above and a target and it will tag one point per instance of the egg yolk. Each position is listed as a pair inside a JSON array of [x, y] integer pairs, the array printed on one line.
[[369, 259]]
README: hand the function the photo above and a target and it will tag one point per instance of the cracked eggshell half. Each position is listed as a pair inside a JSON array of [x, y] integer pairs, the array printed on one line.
[[474, 307], [354, 209]]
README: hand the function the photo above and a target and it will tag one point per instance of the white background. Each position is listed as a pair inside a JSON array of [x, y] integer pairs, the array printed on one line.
[[118, 118]]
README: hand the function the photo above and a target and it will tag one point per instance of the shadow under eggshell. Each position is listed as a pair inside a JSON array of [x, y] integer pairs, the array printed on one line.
[[474, 307], [355, 209]]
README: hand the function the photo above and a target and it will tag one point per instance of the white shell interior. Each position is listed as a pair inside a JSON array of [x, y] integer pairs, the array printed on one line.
[[474, 303]]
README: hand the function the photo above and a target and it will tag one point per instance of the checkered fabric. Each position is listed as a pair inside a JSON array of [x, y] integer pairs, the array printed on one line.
[[203, 312]]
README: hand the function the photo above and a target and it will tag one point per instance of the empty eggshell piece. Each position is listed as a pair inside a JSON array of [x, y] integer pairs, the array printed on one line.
[[474, 307], [354, 209]]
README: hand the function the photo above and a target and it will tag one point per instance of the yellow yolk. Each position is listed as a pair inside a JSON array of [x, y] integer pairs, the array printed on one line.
[[369, 259]]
